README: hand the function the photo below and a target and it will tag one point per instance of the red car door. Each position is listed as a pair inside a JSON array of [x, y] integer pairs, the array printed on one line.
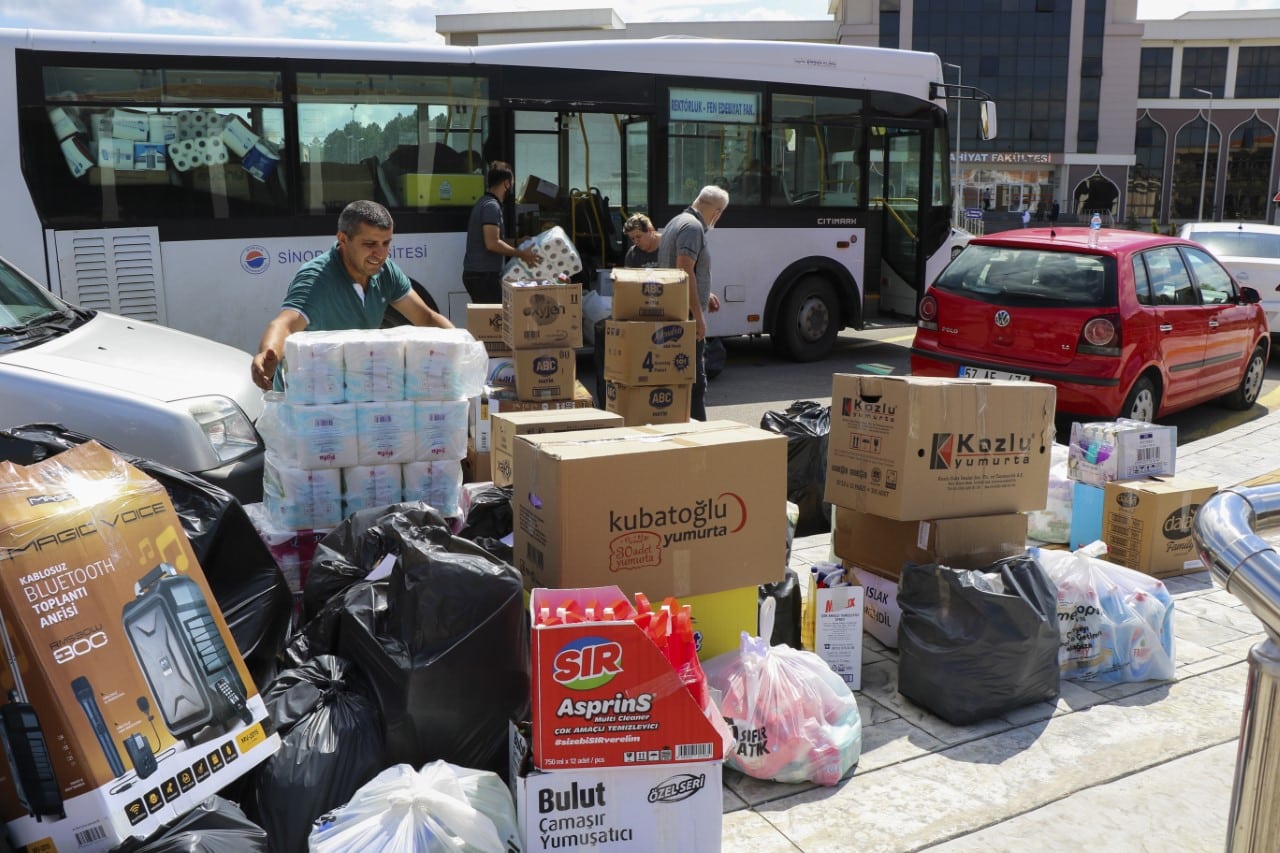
[[1230, 338], [1182, 324]]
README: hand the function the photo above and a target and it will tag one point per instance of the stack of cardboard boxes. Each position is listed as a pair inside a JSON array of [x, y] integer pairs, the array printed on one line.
[[932, 470], [649, 347], [1127, 494]]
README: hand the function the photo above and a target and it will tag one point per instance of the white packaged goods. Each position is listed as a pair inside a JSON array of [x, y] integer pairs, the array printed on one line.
[[322, 436], [1121, 450], [366, 486], [436, 483], [314, 368], [556, 253], [442, 364], [373, 368], [299, 498], [440, 429], [1053, 523], [162, 128], [384, 432]]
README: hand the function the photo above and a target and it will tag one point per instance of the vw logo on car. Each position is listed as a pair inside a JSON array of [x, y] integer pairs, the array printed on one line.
[[1002, 318]]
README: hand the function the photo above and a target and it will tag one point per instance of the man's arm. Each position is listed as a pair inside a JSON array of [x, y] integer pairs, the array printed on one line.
[[494, 243], [686, 263], [271, 347], [419, 313]]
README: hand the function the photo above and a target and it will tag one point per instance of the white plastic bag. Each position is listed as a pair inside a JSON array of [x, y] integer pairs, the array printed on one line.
[[1115, 624], [442, 809], [794, 719], [1053, 523]]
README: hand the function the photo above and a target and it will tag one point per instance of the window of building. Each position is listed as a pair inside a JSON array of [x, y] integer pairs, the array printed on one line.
[[1155, 72], [1248, 170], [1258, 72], [1203, 68], [1188, 167], [890, 22], [1148, 170]]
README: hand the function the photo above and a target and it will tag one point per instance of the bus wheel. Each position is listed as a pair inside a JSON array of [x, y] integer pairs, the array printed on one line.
[[808, 320]]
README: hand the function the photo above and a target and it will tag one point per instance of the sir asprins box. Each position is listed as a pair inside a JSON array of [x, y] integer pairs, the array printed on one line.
[[129, 702], [911, 448], [673, 509]]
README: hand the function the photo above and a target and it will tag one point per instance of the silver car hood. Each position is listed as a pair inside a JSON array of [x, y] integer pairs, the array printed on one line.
[[146, 360]]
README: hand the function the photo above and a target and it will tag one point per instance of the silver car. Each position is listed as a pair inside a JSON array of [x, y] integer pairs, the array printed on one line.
[[1251, 253], [143, 389]]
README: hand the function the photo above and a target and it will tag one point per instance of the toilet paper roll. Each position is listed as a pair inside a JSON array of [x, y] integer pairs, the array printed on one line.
[[313, 368], [438, 484], [365, 486], [322, 436], [76, 153], [440, 430], [301, 499], [216, 151], [180, 154], [442, 364], [384, 432], [237, 136], [374, 368], [64, 123]]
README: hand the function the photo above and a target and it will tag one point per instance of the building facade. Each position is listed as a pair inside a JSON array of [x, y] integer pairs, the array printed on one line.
[[1145, 122]]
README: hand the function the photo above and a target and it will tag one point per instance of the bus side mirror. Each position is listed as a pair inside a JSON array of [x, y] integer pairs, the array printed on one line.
[[988, 120]]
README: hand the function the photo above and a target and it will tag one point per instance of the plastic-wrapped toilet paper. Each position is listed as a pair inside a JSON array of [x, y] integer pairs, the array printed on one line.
[[260, 161], [440, 429], [301, 499], [373, 368], [442, 364], [436, 483], [384, 432], [77, 155], [130, 125], [313, 368], [237, 136], [162, 128], [65, 123], [181, 154], [557, 255], [365, 486], [319, 436]]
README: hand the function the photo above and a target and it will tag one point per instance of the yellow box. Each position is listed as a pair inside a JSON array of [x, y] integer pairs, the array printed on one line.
[[419, 189], [719, 618]]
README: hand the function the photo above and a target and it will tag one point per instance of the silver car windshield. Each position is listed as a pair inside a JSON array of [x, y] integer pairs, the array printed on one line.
[[23, 302], [1030, 276]]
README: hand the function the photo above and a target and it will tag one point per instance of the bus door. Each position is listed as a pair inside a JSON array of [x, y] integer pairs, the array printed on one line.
[[898, 204]]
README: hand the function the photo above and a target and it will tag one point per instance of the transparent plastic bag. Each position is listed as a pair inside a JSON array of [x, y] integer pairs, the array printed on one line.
[[1053, 523], [1116, 624], [440, 809], [793, 718]]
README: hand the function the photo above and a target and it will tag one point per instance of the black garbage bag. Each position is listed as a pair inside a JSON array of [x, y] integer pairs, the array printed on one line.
[[786, 621], [490, 515], [330, 745], [248, 585], [807, 426], [965, 652], [319, 636], [444, 643], [214, 826], [356, 546]]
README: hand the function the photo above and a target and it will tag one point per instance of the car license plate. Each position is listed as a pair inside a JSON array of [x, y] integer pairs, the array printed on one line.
[[987, 373]]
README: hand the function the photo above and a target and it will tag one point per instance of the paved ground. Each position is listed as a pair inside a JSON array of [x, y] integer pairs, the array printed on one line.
[[1129, 767]]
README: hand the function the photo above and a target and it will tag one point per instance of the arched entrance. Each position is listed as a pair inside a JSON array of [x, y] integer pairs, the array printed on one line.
[[1096, 194]]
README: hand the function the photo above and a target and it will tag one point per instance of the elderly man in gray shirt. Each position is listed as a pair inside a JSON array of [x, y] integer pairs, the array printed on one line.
[[684, 247]]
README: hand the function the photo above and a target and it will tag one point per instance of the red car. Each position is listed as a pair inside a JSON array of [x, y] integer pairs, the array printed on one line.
[[1131, 325]]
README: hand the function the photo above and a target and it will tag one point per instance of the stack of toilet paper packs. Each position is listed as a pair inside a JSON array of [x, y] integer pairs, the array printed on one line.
[[556, 253], [368, 418]]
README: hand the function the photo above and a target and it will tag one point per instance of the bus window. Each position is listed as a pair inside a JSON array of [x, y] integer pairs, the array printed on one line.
[[816, 150], [137, 144], [714, 138], [406, 141]]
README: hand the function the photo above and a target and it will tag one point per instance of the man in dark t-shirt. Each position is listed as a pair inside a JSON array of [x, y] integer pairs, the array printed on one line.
[[486, 250]]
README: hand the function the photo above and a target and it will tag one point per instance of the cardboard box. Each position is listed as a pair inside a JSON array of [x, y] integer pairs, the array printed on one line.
[[149, 156], [477, 467], [642, 353], [135, 701], [631, 809], [911, 447], [677, 509], [505, 426], [719, 618], [484, 322], [419, 189], [838, 618], [541, 315], [502, 399], [1120, 450], [550, 373], [650, 294], [1147, 524], [603, 695], [648, 404], [881, 614], [541, 192], [883, 544]]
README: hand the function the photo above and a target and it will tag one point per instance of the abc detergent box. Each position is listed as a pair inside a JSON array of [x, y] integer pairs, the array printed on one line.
[[605, 696], [127, 702], [911, 447]]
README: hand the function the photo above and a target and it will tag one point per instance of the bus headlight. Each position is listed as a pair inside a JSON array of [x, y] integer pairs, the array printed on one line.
[[226, 427]]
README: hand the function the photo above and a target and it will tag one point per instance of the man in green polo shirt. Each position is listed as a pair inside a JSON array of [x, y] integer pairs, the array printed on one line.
[[348, 287]]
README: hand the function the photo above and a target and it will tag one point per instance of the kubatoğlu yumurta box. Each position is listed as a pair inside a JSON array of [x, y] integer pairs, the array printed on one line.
[[129, 703], [909, 447], [673, 509]]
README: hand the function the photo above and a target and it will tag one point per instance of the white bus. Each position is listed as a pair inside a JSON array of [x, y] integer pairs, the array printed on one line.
[[182, 180]]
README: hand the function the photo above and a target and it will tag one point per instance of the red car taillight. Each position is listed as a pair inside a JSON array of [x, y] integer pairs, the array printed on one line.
[[1101, 336], [928, 313]]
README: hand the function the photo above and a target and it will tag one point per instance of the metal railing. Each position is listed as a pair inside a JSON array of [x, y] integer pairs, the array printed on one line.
[[1225, 531]]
